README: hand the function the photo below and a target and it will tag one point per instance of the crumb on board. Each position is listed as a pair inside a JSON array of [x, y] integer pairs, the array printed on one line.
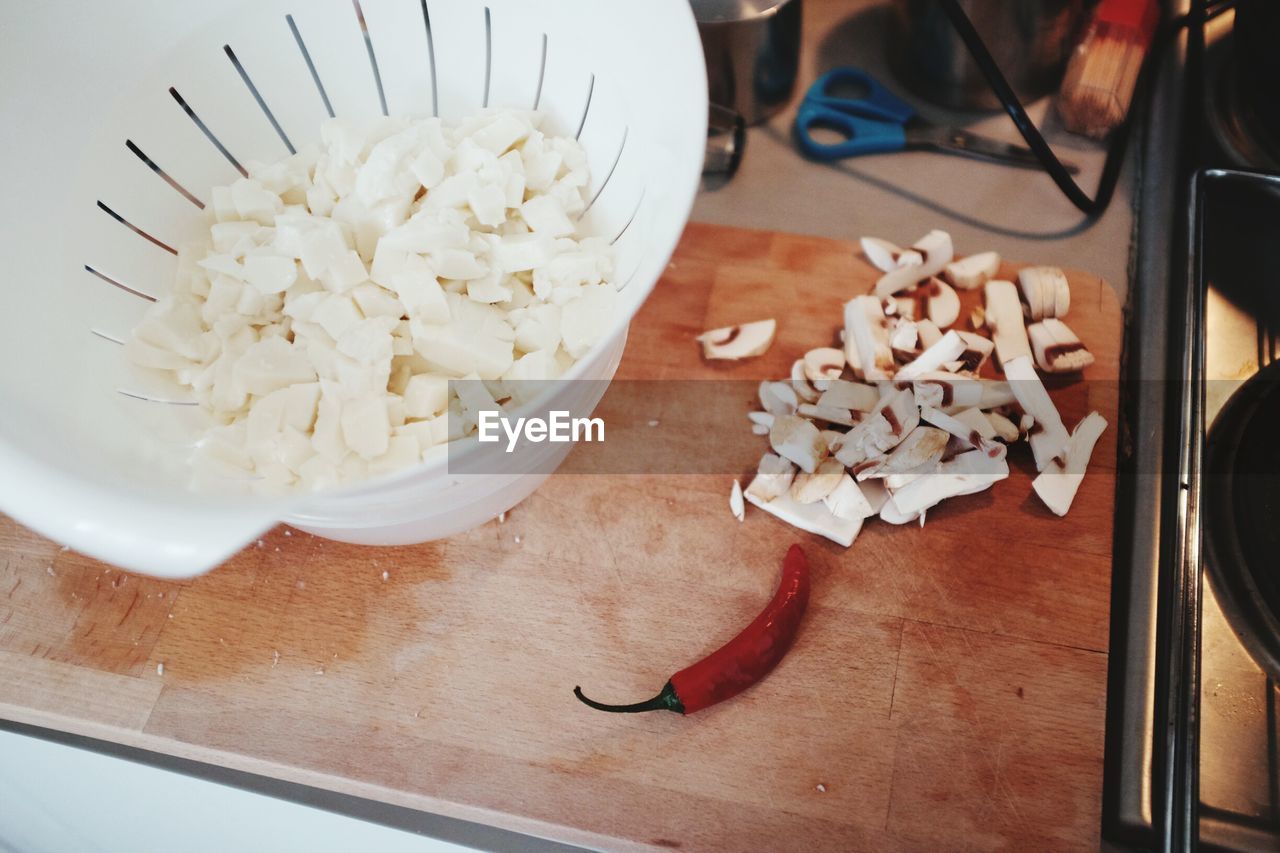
[[160, 668], [386, 575], [653, 423], [517, 538], [275, 657], [820, 788]]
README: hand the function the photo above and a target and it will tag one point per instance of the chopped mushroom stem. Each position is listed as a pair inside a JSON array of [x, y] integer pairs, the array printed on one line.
[[1058, 485]]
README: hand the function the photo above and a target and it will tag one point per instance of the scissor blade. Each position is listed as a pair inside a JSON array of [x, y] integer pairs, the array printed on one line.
[[959, 141]]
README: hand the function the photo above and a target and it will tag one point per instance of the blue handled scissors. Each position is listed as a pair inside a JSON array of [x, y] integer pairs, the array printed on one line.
[[880, 122]]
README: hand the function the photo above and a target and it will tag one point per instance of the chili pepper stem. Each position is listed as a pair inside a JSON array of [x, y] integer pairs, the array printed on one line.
[[667, 700]]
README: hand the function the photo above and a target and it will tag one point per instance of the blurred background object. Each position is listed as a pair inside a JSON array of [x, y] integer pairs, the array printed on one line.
[[1029, 39], [753, 52], [1103, 71], [726, 139]]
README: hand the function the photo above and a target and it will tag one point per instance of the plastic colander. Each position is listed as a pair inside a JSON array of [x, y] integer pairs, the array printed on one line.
[[118, 118]]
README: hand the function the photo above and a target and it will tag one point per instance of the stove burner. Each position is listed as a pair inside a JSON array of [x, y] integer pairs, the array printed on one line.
[[1241, 506], [1238, 112]]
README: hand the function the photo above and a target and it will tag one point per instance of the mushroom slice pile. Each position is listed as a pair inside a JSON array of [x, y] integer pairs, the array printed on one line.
[[922, 426]]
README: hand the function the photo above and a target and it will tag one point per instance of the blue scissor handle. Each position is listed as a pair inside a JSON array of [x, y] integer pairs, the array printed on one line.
[[878, 104], [865, 135]]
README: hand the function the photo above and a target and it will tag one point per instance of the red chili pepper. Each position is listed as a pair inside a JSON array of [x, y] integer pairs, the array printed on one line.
[[742, 661]]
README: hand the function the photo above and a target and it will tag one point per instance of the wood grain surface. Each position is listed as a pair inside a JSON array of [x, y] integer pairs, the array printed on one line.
[[946, 690]]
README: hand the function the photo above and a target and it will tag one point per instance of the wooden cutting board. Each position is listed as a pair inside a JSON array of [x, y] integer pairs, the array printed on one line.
[[947, 687]]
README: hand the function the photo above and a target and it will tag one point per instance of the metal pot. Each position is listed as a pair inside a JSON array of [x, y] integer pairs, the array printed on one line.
[[1029, 39], [753, 52]]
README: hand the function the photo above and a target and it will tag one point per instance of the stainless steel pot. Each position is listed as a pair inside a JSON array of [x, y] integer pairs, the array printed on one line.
[[753, 53], [1029, 39]]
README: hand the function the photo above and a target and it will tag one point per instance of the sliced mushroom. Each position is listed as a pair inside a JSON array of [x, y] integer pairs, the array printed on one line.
[[928, 332], [813, 518], [933, 300], [842, 394], [935, 251], [923, 446], [732, 343], [886, 257], [778, 398], [1048, 436], [950, 347], [1005, 428], [976, 420], [759, 429], [971, 436], [764, 419], [773, 478], [848, 501], [800, 384], [811, 488], [831, 437], [829, 414], [1004, 318], [967, 474], [881, 431], [736, 505], [890, 514], [974, 271], [904, 340], [1058, 484], [823, 363], [977, 350], [1046, 292], [1056, 347], [953, 391], [795, 438], [867, 334]]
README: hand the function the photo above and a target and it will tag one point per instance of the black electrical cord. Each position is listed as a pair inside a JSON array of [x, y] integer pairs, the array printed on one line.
[[1160, 42]]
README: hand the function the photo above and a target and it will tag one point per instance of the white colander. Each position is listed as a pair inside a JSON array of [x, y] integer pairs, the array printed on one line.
[[118, 118]]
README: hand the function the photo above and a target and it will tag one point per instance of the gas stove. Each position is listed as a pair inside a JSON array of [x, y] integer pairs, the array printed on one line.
[[1193, 751]]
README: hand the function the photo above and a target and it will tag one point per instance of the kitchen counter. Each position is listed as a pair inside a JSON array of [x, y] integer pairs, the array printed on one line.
[[1018, 212]]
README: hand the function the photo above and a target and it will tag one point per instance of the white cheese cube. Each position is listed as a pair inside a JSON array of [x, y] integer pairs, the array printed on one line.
[[368, 341], [224, 206], [270, 273], [420, 292], [272, 363], [489, 203], [523, 252], [426, 396], [253, 201], [234, 238], [375, 301], [585, 320], [222, 265], [427, 168], [502, 132], [365, 426], [344, 272], [336, 314], [402, 452], [546, 216], [539, 328], [457, 264], [490, 289]]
